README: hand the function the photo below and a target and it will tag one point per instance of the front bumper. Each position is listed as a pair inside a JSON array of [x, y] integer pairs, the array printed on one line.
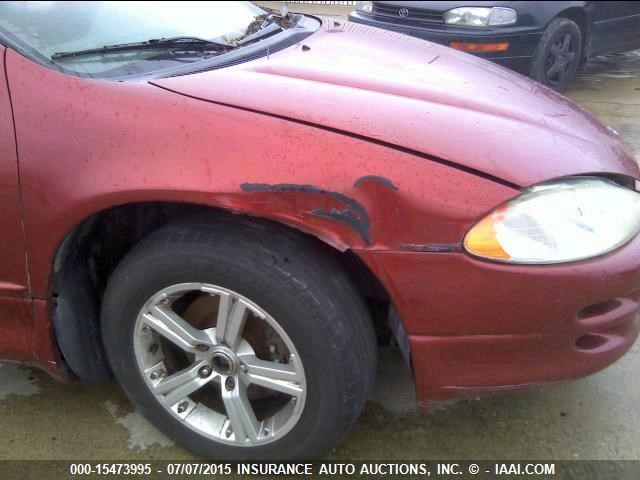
[[476, 326], [522, 41]]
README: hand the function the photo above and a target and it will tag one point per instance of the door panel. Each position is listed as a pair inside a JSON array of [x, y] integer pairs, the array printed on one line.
[[15, 305], [616, 26], [12, 258], [15, 329]]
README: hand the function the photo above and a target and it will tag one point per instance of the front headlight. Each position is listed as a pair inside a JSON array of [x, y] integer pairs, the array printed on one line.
[[366, 7], [481, 16], [561, 221]]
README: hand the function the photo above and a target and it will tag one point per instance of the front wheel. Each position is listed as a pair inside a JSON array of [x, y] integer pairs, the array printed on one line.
[[239, 340], [558, 55]]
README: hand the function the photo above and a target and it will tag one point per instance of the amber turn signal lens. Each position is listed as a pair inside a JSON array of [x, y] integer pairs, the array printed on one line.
[[482, 240], [479, 47]]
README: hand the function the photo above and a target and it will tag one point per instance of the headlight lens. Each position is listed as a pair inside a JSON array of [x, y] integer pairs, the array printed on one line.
[[366, 7], [481, 16], [562, 221], [501, 16]]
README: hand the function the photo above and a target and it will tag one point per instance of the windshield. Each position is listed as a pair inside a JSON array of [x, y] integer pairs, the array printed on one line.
[[51, 27]]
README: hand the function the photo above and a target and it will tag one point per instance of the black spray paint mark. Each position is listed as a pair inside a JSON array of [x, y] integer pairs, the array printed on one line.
[[375, 178], [280, 187], [430, 247]]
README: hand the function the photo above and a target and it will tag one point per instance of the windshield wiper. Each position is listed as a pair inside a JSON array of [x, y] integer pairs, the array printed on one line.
[[185, 43], [264, 26]]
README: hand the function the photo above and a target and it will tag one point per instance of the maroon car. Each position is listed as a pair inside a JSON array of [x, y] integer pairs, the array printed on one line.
[[226, 209]]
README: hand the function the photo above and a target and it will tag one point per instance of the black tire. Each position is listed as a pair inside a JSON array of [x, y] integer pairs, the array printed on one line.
[[558, 55], [291, 277]]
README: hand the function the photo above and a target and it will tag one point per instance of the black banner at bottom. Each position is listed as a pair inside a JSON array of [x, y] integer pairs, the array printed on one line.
[[410, 469]]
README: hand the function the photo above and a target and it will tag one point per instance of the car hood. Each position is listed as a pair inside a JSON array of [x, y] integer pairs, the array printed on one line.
[[417, 95], [438, 6]]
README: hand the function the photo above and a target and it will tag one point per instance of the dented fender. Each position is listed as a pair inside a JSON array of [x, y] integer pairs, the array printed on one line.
[[91, 145]]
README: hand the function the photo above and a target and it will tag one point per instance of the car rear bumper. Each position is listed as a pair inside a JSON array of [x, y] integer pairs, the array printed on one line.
[[522, 41], [476, 326]]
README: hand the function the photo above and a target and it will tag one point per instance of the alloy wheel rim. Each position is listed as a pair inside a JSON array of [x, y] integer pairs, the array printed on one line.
[[560, 59], [239, 380]]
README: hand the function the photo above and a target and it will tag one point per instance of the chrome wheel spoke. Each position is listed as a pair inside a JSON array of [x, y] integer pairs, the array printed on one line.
[[178, 360], [246, 426], [180, 385], [172, 327], [281, 377], [232, 315]]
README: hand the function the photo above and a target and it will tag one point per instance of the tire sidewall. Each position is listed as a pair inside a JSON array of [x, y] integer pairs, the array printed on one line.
[[558, 26], [316, 346]]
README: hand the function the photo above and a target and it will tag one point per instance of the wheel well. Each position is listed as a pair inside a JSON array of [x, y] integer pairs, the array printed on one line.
[[92, 250]]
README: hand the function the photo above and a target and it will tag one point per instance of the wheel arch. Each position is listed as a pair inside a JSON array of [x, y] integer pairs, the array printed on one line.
[[90, 250]]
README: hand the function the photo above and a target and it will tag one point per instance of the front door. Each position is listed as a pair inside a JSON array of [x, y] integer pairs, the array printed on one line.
[[15, 305]]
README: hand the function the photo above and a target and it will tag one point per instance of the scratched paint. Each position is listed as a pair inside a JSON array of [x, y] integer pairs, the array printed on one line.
[[354, 214]]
